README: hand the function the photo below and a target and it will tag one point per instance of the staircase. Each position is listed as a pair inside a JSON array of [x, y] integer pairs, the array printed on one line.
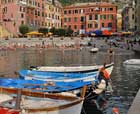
[[4, 33]]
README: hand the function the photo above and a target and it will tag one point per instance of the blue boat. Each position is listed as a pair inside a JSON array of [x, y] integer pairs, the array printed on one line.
[[42, 86], [60, 76], [56, 77]]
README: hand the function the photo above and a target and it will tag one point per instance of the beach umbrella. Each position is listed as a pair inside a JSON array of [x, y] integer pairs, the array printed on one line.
[[34, 33]]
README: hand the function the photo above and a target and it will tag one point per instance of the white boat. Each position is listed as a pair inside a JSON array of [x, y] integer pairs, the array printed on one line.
[[82, 69], [88, 74], [94, 50], [135, 62], [5, 97], [43, 103]]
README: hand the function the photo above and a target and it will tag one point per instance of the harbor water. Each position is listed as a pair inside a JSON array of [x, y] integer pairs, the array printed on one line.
[[125, 80]]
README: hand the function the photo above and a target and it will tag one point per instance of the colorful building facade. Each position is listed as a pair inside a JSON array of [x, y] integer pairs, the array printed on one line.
[[53, 14], [0, 12], [17, 12], [128, 18], [85, 17]]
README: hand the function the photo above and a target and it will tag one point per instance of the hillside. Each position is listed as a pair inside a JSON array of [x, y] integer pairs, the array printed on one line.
[[68, 2]]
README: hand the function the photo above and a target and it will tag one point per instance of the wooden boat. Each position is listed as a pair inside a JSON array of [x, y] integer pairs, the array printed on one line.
[[62, 76], [73, 69], [4, 97], [29, 101]]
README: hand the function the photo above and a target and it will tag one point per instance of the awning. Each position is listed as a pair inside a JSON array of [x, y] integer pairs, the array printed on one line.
[[34, 33], [106, 32], [50, 33], [126, 33]]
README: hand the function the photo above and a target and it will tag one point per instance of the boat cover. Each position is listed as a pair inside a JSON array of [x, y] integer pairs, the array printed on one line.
[[42, 86], [56, 76]]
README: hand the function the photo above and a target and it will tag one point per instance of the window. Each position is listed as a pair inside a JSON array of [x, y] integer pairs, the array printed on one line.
[[82, 19], [96, 17], [65, 12], [22, 15], [96, 25], [89, 25], [65, 19], [38, 13], [22, 22], [90, 17], [110, 17], [104, 16], [103, 25], [69, 19], [75, 19], [109, 24], [20, 8], [76, 11], [82, 26], [111, 9], [75, 26], [69, 11]]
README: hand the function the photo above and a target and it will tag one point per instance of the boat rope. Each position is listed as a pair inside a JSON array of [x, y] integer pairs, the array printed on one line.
[[83, 109]]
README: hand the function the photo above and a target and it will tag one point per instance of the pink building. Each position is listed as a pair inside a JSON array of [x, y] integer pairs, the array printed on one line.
[[17, 12], [90, 16], [0, 12]]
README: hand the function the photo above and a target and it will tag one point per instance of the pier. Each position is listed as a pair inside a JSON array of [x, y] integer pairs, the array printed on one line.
[[135, 107]]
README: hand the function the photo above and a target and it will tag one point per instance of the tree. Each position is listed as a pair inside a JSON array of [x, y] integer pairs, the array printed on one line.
[[60, 32], [69, 32], [53, 30], [23, 29], [43, 30]]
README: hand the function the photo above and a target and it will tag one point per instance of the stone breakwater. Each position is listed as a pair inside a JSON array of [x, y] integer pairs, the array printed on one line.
[[66, 42]]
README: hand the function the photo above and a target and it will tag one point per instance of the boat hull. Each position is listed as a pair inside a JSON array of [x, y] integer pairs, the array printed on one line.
[[41, 103], [77, 69], [62, 77], [72, 108], [135, 62]]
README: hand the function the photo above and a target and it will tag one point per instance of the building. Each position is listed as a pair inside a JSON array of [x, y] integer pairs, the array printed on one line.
[[137, 15], [119, 22], [85, 17], [0, 13], [53, 10], [17, 12], [128, 18]]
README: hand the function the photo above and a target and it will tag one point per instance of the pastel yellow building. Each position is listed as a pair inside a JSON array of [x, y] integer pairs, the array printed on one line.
[[4, 33], [119, 22], [53, 14]]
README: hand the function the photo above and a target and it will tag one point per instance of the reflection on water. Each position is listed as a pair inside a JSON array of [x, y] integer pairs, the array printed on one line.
[[125, 81]]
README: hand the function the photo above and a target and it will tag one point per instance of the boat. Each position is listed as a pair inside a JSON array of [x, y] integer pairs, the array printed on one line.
[[134, 62], [30, 101], [4, 97], [42, 86], [72, 69], [62, 76], [94, 50]]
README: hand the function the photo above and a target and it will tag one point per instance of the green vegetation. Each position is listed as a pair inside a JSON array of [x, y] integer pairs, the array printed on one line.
[[69, 2], [61, 31], [23, 29]]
